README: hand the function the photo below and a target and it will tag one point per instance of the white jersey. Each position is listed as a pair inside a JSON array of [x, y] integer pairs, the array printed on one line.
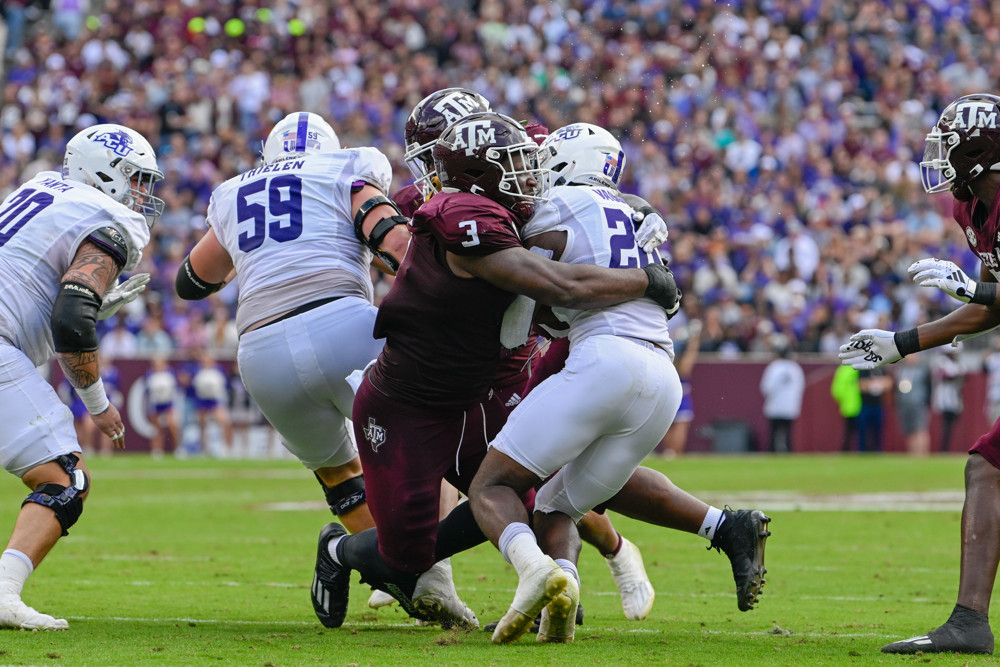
[[42, 225], [289, 228], [162, 387], [599, 230]]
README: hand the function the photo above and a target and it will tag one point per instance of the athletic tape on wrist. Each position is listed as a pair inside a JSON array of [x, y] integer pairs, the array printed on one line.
[[94, 397]]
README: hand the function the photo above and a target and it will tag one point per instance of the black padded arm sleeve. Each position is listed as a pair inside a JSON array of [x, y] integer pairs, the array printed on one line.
[[74, 319], [112, 242], [189, 286]]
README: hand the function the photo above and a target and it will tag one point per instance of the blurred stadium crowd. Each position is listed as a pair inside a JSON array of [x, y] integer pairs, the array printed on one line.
[[780, 137]]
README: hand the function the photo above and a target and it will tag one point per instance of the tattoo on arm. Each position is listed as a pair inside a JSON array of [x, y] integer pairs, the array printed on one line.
[[92, 267], [80, 368]]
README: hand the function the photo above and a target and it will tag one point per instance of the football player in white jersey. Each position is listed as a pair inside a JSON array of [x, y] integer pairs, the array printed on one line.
[[64, 240], [301, 232], [600, 416]]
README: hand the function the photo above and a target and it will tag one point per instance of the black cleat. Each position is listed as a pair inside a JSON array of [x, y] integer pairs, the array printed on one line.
[[966, 631], [490, 627], [741, 537], [331, 582]]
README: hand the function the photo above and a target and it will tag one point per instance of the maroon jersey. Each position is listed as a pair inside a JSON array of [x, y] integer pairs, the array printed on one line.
[[982, 230], [443, 332], [408, 198]]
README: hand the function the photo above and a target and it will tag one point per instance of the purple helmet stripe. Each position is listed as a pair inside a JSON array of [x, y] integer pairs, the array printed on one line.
[[618, 167], [301, 132]]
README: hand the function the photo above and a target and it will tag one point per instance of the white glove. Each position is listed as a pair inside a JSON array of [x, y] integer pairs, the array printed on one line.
[[652, 233], [870, 348], [946, 276], [121, 294]]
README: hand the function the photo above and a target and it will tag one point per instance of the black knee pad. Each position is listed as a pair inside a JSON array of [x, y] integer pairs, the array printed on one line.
[[345, 496], [65, 501]]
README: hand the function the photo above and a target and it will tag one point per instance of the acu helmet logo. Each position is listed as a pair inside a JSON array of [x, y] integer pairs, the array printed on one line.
[[118, 142]]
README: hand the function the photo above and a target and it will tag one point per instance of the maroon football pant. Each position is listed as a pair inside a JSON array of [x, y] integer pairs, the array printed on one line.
[[405, 452]]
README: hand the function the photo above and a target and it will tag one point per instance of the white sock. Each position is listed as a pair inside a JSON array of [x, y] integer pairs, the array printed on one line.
[[570, 567], [520, 547], [331, 546], [15, 568], [713, 519]]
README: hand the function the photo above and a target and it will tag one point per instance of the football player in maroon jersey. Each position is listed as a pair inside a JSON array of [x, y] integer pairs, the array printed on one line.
[[441, 321], [961, 156]]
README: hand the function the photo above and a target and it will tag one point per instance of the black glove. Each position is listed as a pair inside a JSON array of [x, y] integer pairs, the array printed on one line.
[[663, 288]]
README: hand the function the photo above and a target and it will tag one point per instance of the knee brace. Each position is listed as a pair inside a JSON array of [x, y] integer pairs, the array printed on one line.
[[345, 496], [65, 501]]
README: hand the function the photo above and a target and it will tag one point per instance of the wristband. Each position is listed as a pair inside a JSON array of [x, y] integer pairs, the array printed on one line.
[[94, 397], [907, 342], [986, 294]]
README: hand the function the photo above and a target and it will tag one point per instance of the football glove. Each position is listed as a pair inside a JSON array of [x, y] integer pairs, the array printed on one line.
[[121, 294], [870, 348], [946, 276], [652, 231]]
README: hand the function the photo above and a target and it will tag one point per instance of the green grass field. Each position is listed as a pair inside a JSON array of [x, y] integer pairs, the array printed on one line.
[[205, 562]]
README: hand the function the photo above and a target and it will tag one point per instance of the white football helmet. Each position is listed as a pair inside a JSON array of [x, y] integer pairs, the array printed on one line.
[[583, 154], [297, 134], [118, 161]]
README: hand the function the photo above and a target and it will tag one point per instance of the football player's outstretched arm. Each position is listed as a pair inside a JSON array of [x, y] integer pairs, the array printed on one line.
[[74, 334], [554, 283]]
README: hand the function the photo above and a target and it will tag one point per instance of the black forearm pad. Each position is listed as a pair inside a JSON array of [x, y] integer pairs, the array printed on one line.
[[189, 286], [111, 241], [662, 287], [74, 319], [986, 294], [907, 342]]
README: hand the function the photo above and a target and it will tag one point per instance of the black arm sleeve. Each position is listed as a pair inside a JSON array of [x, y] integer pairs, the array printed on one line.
[[74, 319], [189, 286]]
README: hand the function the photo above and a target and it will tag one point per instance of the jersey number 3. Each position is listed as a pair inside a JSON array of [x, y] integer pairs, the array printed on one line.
[[284, 198]]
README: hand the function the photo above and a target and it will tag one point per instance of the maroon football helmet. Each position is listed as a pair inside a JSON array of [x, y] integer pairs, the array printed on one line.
[[490, 154], [964, 145], [427, 121]]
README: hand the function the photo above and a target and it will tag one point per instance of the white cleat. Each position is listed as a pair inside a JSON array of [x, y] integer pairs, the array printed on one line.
[[534, 591], [630, 576], [435, 596], [558, 623], [15, 614], [380, 599]]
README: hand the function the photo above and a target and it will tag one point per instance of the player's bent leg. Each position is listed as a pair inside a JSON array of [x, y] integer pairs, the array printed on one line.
[[50, 510]]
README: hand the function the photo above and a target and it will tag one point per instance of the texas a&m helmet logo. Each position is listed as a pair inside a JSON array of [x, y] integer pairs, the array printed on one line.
[[974, 114], [473, 134], [118, 142]]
